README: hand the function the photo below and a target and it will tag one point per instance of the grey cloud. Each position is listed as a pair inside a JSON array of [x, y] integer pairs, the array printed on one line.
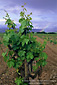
[[38, 4]]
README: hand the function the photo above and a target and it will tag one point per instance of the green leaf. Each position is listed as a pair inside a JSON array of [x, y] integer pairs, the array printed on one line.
[[37, 58], [27, 23], [25, 41], [23, 58], [29, 55], [31, 26], [20, 20], [10, 53], [39, 62], [9, 21], [24, 3], [22, 6], [19, 81], [35, 68], [22, 14], [21, 30], [6, 58], [23, 23], [6, 37], [31, 13], [6, 22], [20, 62], [9, 26], [17, 65], [18, 58], [4, 54], [15, 48], [28, 15], [21, 53], [30, 18], [28, 60], [25, 9], [22, 37], [44, 55], [10, 63], [18, 43], [44, 63], [14, 24], [28, 47]]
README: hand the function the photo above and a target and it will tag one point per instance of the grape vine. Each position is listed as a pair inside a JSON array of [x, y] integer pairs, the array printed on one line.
[[22, 47]]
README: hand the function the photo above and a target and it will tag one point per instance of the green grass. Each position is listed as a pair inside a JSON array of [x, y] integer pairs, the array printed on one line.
[[48, 37]]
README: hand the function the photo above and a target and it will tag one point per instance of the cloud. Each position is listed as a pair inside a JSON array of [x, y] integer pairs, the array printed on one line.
[[2, 20], [16, 22], [43, 12], [14, 8], [44, 25], [39, 14], [37, 4]]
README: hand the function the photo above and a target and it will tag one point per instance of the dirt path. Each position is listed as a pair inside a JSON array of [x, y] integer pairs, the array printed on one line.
[[49, 73]]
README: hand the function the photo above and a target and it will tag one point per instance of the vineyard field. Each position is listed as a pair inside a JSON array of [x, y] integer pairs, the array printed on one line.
[[49, 72], [52, 38]]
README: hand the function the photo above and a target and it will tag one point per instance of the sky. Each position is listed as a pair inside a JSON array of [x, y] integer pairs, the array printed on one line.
[[44, 12]]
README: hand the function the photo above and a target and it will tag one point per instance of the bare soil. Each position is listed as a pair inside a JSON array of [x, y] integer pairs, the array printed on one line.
[[49, 72]]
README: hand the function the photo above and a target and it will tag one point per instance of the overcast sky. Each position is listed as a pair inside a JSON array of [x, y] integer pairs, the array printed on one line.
[[44, 12]]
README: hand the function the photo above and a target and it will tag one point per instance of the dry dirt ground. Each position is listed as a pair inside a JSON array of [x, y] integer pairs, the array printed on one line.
[[49, 72]]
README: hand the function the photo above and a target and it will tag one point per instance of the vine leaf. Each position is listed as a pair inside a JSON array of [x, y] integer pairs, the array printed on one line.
[[18, 81], [10, 63]]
